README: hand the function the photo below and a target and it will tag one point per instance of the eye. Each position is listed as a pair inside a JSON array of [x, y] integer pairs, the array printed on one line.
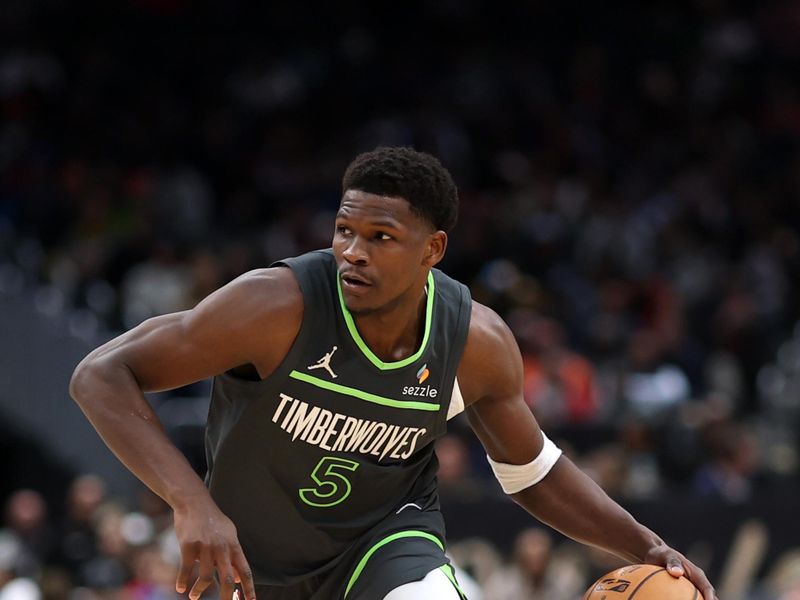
[[383, 236], [342, 230]]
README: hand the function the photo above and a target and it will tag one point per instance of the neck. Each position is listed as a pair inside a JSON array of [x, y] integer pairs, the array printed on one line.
[[396, 331]]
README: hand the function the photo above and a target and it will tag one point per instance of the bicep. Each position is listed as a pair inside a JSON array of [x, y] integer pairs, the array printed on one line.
[[492, 373], [172, 350], [507, 429], [222, 332]]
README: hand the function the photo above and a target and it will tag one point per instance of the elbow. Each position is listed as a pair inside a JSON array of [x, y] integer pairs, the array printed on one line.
[[86, 379], [80, 382]]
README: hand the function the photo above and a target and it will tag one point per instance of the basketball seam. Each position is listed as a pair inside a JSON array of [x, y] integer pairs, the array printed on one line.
[[642, 582]]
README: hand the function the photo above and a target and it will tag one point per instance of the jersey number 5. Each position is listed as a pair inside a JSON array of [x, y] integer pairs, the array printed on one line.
[[332, 486]]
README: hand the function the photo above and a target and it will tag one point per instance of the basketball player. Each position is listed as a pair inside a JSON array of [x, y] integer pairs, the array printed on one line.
[[334, 372]]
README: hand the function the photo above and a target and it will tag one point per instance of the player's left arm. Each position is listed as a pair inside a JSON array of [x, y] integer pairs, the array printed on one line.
[[491, 380]]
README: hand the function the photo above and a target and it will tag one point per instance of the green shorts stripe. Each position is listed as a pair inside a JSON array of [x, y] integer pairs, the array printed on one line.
[[391, 538], [448, 571]]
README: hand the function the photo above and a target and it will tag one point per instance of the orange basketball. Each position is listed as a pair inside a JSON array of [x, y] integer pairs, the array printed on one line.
[[642, 582]]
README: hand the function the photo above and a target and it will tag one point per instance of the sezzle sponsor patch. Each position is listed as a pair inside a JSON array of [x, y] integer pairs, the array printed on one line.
[[420, 390]]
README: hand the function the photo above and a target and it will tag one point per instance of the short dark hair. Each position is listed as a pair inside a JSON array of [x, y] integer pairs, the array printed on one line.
[[417, 177]]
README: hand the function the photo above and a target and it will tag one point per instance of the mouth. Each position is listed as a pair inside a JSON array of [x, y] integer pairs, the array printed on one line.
[[354, 281]]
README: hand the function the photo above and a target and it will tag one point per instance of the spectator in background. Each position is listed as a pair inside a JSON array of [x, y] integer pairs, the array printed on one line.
[[27, 526], [13, 587], [157, 286], [77, 539], [153, 578], [109, 568], [537, 572], [609, 467], [732, 465], [652, 385], [559, 383], [639, 443], [455, 475]]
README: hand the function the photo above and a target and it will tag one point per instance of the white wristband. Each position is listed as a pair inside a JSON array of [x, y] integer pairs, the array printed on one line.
[[515, 478]]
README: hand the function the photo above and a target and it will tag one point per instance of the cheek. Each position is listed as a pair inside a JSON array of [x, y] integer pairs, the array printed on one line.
[[398, 278], [338, 246]]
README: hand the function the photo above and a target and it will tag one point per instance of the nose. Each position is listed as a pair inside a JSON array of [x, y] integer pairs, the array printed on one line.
[[356, 252]]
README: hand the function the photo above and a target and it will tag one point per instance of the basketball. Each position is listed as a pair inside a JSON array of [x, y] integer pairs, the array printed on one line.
[[642, 582]]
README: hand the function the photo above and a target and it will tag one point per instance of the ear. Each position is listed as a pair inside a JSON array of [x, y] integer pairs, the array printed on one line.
[[435, 248]]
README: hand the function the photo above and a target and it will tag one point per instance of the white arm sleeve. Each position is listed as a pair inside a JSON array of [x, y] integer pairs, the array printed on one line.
[[515, 478]]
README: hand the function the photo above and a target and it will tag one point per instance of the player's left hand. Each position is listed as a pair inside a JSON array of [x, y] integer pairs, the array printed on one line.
[[678, 565]]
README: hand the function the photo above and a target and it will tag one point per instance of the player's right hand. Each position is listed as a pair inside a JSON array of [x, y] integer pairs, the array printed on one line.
[[208, 537]]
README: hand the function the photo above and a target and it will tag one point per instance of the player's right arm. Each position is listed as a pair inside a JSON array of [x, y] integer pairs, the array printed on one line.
[[251, 321]]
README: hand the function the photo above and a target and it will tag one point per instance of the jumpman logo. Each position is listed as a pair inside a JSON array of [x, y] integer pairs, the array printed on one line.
[[325, 363]]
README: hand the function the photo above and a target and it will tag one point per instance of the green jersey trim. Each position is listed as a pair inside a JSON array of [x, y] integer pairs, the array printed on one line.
[[395, 536], [362, 395], [385, 366]]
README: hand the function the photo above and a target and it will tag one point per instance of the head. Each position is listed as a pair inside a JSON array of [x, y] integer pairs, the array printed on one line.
[[85, 494], [391, 229], [533, 552], [453, 459], [26, 511]]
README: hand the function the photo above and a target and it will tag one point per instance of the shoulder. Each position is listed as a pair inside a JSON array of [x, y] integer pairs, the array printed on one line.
[[259, 314], [279, 282], [491, 363], [263, 291], [269, 297], [487, 327]]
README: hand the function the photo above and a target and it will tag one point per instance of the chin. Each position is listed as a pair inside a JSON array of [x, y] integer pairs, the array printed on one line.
[[360, 302], [357, 309]]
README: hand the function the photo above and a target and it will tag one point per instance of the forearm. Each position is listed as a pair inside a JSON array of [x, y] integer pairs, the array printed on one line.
[[569, 501], [111, 399]]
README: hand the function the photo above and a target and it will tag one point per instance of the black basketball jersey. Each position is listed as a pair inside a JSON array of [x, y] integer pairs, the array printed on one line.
[[308, 460]]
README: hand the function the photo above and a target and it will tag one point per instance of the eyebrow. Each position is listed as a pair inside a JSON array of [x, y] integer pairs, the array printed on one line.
[[387, 223]]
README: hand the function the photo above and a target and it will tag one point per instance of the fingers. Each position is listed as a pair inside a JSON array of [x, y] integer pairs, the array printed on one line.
[[243, 574], [675, 567], [231, 566], [706, 589], [702, 583], [709, 594], [205, 576], [185, 571], [226, 575], [698, 577]]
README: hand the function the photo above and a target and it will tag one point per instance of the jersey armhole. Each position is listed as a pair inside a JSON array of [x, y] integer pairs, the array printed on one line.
[[456, 401]]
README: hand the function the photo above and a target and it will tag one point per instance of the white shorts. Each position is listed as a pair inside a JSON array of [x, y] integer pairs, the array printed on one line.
[[434, 586]]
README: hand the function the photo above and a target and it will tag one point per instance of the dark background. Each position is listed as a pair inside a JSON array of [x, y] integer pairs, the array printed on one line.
[[629, 177]]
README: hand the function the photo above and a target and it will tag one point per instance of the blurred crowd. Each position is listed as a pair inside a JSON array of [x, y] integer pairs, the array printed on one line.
[[92, 546], [96, 549], [629, 201], [99, 550]]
